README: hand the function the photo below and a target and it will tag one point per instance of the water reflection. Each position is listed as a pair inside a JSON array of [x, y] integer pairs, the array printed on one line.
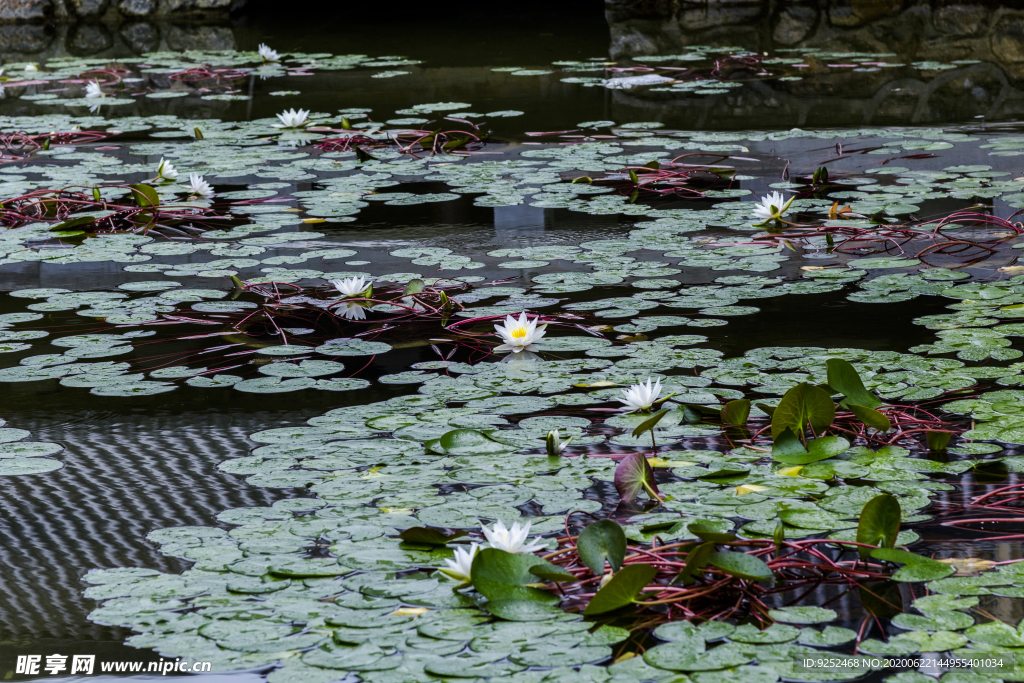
[[983, 42]]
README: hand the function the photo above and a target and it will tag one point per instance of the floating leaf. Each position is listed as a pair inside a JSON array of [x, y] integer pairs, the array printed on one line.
[[741, 565], [428, 536]]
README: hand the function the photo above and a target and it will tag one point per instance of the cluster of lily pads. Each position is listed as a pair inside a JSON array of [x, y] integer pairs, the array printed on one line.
[[743, 472]]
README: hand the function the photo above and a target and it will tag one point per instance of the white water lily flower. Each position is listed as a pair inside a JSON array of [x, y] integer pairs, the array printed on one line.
[[640, 397], [267, 54], [555, 446], [512, 540], [166, 170], [293, 119], [93, 89], [519, 335], [31, 67], [352, 310], [772, 206], [198, 186], [459, 567], [351, 286]]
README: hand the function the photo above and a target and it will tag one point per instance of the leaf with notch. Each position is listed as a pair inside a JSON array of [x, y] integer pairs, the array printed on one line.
[[498, 575], [634, 474], [622, 589], [551, 572], [602, 541], [801, 407]]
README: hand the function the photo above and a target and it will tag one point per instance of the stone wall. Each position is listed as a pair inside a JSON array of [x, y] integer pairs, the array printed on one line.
[[21, 11]]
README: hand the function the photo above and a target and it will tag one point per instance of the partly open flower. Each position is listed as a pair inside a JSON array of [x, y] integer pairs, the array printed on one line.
[[93, 89], [459, 567], [555, 446], [351, 286], [293, 118], [199, 187], [519, 335], [512, 540], [267, 54], [166, 171], [640, 397], [772, 206]]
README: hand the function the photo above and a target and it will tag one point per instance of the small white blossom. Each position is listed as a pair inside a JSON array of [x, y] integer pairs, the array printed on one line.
[[351, 286], [519, 335], [267, 54], [293, 119], [460, 566], [554, 444], [198, 186], [512, 540], [93, 89], [31, 67], [772, 206], [166, 171], [640, 397]]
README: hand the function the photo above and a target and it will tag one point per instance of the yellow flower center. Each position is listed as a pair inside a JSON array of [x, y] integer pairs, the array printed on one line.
[[518, 332]]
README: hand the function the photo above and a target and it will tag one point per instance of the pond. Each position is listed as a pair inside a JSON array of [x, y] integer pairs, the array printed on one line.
[[648, 345]]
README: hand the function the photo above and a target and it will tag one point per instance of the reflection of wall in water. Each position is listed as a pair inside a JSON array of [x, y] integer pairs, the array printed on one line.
[[914, 31]]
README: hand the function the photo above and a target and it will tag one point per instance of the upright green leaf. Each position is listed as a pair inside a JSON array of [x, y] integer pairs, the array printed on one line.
[[696, 560], [801, 407], [633, 475], [602, 541], [145, 195], [736, 412], [843, 377], [622, 589], [879, 523], [937, 441], [650, 423]]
